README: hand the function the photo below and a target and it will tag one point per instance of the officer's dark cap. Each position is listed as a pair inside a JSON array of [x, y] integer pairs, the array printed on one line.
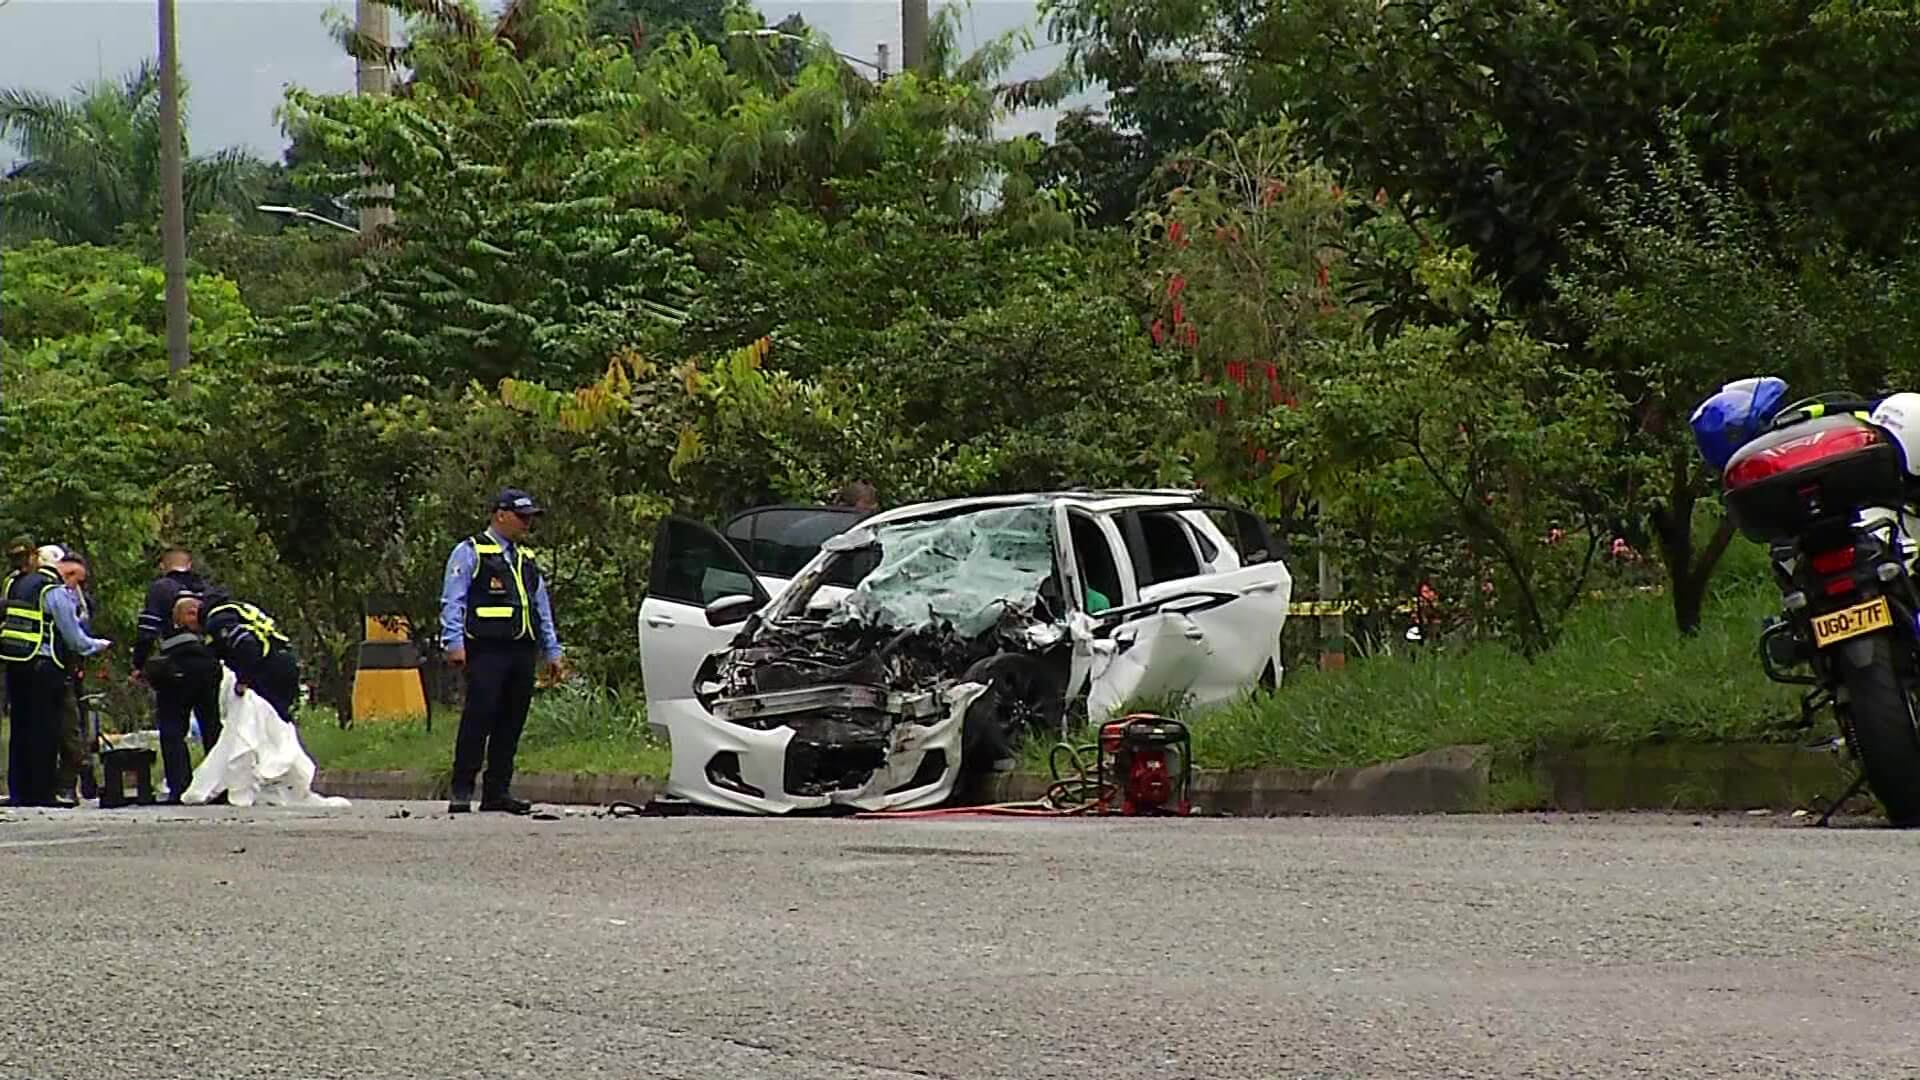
[[516, 501]]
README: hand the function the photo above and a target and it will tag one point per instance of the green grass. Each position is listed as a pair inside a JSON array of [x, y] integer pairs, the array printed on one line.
[[1621, 676], [568, 731]]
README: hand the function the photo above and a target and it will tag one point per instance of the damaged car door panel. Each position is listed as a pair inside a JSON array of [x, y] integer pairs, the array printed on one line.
[[918, 646]]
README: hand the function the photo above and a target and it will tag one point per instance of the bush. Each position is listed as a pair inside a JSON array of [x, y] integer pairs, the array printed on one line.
[[1620, 676]]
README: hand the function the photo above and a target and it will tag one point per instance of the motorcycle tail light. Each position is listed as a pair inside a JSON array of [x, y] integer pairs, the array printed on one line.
[[1829, 563], [1799, 453]]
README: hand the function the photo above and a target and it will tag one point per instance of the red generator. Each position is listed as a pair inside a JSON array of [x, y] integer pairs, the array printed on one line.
[[1145, 764]]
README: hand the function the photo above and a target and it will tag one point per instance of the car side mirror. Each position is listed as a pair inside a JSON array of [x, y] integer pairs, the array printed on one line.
[[729, 610]]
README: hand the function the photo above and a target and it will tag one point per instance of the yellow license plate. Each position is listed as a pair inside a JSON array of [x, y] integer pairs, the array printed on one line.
[[1852, 622]]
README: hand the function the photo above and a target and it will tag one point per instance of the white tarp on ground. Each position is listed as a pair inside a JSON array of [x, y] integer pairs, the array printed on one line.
[[258, 760]]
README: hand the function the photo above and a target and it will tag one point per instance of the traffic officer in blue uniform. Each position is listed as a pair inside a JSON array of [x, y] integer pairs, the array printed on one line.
[[40, 641], [496, 624], [247, 640]]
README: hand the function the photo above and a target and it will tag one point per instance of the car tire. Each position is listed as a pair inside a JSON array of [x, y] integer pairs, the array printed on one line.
[[1021, 697]]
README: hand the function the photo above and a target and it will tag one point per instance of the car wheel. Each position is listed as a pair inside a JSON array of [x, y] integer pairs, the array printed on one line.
[[1021, 698]]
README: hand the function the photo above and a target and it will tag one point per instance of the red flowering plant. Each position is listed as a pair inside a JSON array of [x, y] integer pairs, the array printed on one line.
[[1244, 255]]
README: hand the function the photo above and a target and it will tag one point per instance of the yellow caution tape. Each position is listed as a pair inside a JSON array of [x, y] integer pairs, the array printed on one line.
[[1323, 608]]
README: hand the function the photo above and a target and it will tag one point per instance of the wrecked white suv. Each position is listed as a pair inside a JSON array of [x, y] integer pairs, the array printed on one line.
[[808, 658]]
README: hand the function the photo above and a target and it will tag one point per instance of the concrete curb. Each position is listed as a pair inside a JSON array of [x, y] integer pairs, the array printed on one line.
[[583, 789], [1450, 780], [1688, 777]]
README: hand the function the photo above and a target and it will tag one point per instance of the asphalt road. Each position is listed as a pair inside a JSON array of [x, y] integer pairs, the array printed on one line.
[[222, 943]]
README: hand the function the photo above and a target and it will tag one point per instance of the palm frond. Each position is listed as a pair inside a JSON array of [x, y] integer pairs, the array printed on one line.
[[39, 124], [226, 179], [141, 85], [31, 209]]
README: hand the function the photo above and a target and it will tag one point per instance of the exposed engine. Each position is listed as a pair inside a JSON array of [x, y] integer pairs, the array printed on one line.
[[846, 691]]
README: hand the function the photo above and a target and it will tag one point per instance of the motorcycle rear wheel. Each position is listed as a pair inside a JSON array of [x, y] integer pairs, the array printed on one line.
[[1880, 710]]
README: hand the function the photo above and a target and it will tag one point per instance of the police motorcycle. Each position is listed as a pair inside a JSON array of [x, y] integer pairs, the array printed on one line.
[[1830, 484]]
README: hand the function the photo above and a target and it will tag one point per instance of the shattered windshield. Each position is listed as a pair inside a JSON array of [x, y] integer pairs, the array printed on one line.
[[964, 570]]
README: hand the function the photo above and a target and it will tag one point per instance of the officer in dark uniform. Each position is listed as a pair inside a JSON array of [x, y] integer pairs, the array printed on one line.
[[40, 641], [246, 640], [496, 623], [189, 682]]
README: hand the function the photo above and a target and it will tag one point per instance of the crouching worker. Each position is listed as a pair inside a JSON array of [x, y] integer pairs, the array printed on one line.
[[246, 640]]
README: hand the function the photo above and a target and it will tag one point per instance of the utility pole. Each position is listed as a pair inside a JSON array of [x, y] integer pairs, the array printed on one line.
[[913, 34], [370, 80], [173, 219], [1333, 624], [881, 67]]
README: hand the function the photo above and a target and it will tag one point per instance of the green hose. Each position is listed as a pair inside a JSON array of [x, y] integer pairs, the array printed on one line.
[[1076, 788]]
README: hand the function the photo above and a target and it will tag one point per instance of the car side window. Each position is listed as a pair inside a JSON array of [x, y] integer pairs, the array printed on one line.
[[1161, 547], [693, 565], [1099, 573]]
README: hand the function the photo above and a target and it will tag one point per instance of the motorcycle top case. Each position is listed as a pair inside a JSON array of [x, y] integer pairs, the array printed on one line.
[[1785, 482]]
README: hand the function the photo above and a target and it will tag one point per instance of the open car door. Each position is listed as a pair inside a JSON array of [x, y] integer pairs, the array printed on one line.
[[756, 553], [1241, 637], [693, 566], [1140, 649]]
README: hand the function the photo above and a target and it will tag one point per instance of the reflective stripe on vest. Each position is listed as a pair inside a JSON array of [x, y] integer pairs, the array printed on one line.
[[484, 546], [255, 622], [25, 629]]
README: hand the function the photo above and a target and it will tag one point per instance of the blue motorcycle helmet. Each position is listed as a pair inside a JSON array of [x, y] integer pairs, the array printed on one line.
[[1730, 419]]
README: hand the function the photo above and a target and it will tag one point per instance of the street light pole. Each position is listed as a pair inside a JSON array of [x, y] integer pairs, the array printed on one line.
[[913, 34], [370, 80], [173, 223]]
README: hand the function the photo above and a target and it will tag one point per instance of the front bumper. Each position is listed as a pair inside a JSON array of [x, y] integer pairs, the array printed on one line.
[[818, 748]]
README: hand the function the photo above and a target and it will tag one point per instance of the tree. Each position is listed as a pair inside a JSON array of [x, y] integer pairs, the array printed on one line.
[[1493, 439], [647, 23], [1505, 118], [342, 477], [94, 444], [1244, 254], [543, 186], [1688, 285], [1111, 168], [1815, 103], [91, 163]]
